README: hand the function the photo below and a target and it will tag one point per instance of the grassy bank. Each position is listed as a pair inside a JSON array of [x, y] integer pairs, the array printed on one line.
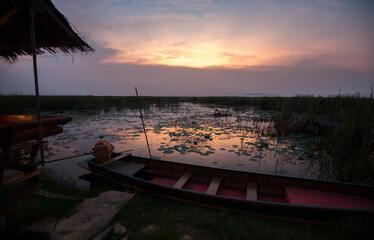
[[172, 219]]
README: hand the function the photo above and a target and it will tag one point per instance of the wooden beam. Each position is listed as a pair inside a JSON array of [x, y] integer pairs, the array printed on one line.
[[8, 15], [127, 167], [21, 177]]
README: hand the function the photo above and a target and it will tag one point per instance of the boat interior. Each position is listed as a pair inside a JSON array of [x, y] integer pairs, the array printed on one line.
[[243, 185]]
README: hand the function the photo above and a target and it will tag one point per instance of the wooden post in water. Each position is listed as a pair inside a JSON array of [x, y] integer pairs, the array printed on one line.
[[141, 116]]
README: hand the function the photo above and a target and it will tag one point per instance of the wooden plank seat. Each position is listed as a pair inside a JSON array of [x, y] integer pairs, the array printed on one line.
[[182, 180], [251, 191], [214, 185]]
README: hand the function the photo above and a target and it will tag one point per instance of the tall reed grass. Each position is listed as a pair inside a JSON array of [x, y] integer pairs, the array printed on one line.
[[345, 128]]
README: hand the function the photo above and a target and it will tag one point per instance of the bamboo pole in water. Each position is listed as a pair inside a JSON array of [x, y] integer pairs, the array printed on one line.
[[141, 116]]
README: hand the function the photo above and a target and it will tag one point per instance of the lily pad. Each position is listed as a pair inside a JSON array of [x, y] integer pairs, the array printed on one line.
[[168, 151]]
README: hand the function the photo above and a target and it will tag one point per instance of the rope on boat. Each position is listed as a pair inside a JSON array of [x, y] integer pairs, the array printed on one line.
[[81, 155]]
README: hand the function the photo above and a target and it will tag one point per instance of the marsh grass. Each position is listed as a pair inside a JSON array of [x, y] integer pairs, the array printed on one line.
[[336, 107], [21, 104], [344, 129], [342, 125]]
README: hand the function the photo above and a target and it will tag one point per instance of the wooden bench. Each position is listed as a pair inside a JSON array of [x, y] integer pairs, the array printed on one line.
[[127, 167], [214, 185], [21, 146], [251, 191], [9, 181], [182, 180]]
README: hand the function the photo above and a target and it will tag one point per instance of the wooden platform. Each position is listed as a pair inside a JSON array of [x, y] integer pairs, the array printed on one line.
[[310, 197], [119, 157], [126, 167]]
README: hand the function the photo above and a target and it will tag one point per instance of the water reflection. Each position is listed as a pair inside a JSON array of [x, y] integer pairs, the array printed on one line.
[[243, 140]]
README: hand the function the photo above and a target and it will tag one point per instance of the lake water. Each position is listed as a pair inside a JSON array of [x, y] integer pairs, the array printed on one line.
[[191, 133]]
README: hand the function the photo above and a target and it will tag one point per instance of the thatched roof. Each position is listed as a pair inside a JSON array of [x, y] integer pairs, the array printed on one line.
[[53, 32]]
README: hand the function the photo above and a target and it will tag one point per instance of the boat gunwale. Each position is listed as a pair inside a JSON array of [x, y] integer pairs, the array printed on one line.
[[262, 174], [233, 199]]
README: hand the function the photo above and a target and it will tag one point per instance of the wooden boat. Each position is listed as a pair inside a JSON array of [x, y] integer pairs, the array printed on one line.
[[275, 196]]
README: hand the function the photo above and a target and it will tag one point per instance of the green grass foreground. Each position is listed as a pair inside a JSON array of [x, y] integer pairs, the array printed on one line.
[[173, 219]]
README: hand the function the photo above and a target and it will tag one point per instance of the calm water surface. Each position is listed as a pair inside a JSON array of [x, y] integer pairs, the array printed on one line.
[[189, 133]]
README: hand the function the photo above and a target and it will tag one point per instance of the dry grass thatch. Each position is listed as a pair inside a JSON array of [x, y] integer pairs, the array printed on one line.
[[53, 32]]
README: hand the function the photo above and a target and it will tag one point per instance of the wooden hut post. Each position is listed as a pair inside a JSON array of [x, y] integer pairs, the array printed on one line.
[[33, 47]]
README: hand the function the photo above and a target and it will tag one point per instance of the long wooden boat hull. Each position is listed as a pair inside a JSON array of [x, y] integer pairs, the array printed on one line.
[[261, 194]]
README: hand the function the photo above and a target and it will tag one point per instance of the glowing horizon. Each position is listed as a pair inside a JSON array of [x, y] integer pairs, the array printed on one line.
[[209, 48], [240, 35]]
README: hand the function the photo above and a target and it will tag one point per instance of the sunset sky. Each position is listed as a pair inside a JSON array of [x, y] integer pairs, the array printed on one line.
[[208, 47]]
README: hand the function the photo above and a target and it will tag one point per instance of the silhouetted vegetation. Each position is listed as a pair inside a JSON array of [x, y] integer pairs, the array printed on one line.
[[21, 104]]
